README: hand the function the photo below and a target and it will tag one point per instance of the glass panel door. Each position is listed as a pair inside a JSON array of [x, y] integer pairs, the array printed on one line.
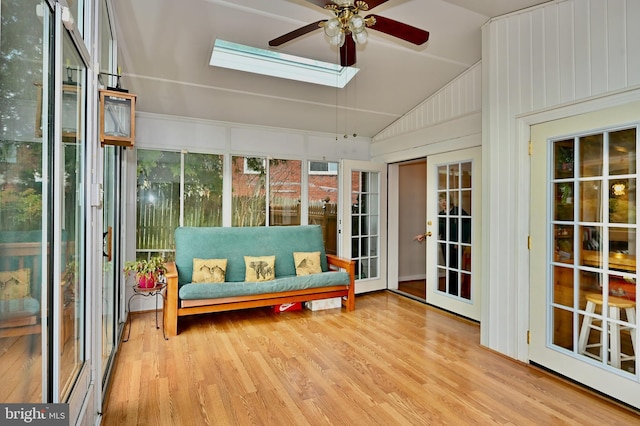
[[70, 214], [453, 212], [583, 250], [364, 221], [594, 241], [25, 145], [111, 228]]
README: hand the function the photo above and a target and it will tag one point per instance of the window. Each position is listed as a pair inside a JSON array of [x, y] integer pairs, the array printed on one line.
[[284, 191], [323, 168], [236, 56], [162, 206], [322, 193], [248, 186]]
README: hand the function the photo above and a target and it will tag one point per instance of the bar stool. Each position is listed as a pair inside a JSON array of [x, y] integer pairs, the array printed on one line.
[[615, 304]]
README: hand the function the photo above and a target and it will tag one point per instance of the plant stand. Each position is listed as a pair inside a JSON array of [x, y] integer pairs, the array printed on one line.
[[147, 292]]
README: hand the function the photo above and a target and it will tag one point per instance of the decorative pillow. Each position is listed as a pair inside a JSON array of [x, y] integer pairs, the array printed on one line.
[[307, 263], [15, 284], [209, 270], [259, 268]]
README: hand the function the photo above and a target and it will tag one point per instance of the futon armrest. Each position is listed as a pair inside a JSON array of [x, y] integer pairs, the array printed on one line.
[[349, 266], [171, 300]]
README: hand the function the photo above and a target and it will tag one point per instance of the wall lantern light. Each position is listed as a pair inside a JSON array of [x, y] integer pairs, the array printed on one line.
[[117, 116]]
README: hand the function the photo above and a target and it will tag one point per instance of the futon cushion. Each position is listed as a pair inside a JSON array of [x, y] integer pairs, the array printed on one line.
[[230, 289]]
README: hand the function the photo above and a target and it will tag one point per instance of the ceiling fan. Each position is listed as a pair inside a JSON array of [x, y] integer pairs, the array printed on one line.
[[347, 21]]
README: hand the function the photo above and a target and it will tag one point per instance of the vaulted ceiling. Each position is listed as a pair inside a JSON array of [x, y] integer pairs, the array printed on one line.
[[165, 47]]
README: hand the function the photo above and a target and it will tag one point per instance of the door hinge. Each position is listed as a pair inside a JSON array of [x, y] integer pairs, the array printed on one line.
[[528, 337], [530, 147], [529, 242]]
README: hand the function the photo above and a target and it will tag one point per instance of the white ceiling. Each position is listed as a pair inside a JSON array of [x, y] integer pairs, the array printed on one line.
[[165, 47]]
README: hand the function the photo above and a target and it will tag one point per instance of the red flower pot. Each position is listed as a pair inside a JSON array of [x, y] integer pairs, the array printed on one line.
[[147, 281]]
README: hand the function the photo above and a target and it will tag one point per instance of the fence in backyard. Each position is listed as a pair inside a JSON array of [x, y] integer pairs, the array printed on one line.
[[156, 222]]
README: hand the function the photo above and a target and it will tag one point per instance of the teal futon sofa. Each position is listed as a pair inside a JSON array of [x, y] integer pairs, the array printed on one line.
[[253, 267]]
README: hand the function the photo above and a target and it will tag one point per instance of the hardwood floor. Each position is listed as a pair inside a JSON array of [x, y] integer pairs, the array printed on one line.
[[393, 361], [417, 288]]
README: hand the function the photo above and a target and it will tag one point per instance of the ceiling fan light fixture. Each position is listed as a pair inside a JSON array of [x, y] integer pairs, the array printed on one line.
[[356, 23], [360, 37], [337, 40], [332, 27]]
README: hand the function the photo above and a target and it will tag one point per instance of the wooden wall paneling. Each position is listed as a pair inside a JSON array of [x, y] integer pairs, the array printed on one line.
[[633, 49], [598, 43], [567, 47], [616, 45], [582, 49], [551, 59]]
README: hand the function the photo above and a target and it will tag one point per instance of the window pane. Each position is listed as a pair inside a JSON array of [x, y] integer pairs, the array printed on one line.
[[25, 141], [284, 192], [73, 294], [158, 210], [202, 190], [563, 159], [591, 155], [323, 203], [564, 201], [622, 205], [248, 191], [622, 152]]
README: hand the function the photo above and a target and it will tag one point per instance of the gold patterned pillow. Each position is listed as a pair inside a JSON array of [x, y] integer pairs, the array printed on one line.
[[15, 284], [307, 263], [209, 270], [260, 268]]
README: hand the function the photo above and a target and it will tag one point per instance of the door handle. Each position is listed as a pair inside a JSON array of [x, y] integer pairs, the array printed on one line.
[[109, 241], [429, 233]]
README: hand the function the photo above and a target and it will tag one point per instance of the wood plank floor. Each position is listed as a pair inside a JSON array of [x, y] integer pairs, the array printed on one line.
[[393, 361]]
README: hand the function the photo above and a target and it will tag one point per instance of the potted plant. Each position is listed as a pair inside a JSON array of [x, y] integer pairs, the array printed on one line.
[[146, 271]]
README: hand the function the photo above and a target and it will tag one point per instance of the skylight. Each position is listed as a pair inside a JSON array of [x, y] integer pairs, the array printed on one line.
[[259, 61]]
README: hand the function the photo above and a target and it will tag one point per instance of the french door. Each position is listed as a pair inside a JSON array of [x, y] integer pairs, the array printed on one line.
[[364, 222], [453, 231], [583, 321]]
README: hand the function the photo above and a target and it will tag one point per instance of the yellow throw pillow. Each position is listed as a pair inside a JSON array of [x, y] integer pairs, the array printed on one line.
[[209, 270], [15, 284], [260, 268], [307, 263]]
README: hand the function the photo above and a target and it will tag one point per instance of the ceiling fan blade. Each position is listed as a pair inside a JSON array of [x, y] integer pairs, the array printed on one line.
[[321, 3], [296, 33], [374, 3], [348, 53], [398, 29]]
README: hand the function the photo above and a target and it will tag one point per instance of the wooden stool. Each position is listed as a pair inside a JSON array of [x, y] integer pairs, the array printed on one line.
[[615, 304]]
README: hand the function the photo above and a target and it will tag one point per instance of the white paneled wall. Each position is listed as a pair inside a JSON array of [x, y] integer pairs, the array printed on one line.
[[460, 97], [453, 113], [563, 53]]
